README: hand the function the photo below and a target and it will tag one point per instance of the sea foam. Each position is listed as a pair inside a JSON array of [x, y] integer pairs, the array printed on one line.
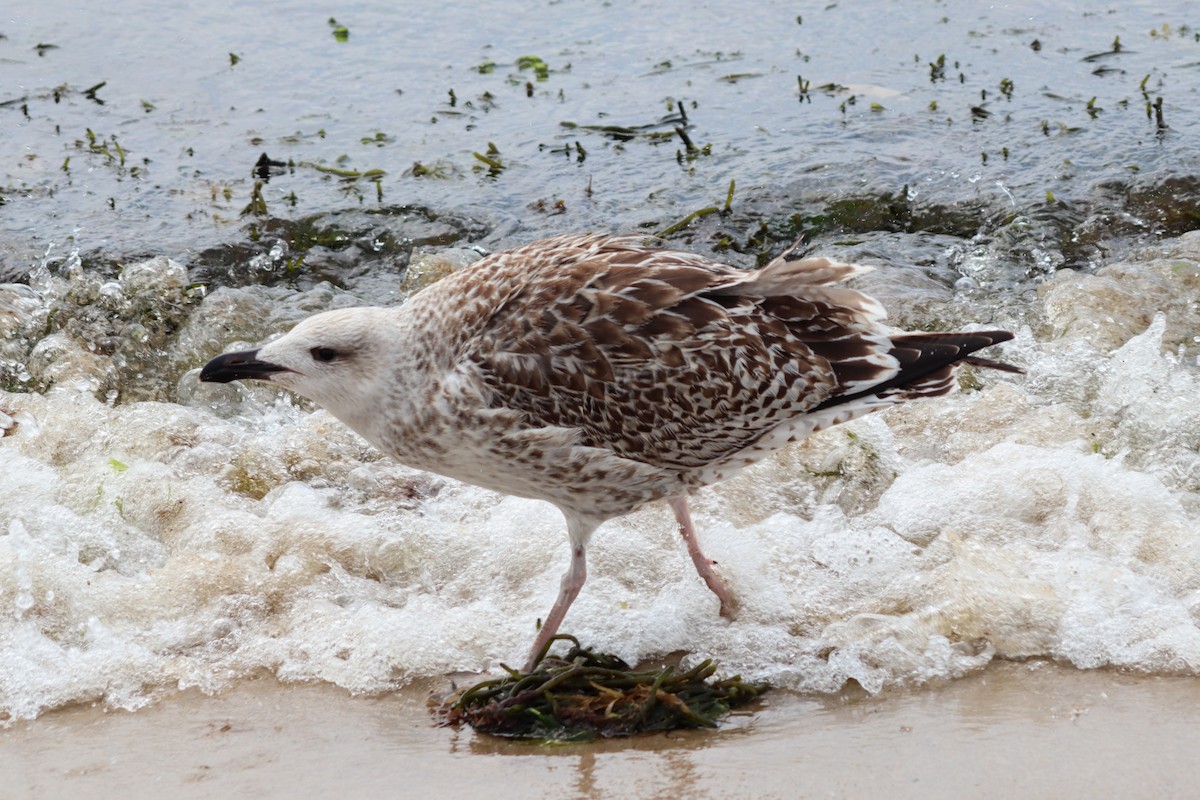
[[201, 536]]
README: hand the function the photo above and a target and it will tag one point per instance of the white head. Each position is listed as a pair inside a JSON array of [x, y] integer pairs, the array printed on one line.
[[339, 359]]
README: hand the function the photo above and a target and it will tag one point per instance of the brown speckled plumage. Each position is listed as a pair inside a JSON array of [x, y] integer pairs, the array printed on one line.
[[601, 374]]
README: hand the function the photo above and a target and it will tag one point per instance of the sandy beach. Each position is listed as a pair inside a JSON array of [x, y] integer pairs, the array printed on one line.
[[1031, 730]]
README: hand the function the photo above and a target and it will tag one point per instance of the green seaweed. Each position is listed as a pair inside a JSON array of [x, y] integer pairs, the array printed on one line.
[[340, 32], [110, 148], [622, 133], [585, 695], [937, 69], [541, 70], [258, 204], [90, 92], [345, 174], [491, 159], [688, 220]]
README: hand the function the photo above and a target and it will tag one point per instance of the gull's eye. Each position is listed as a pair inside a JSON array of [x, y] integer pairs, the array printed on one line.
[[325, 354]]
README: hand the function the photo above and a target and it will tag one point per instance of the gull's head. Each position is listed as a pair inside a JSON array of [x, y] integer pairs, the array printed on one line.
[[337, 359]]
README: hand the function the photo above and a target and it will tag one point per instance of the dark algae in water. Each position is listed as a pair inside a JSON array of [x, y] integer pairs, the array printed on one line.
[[585, 695]]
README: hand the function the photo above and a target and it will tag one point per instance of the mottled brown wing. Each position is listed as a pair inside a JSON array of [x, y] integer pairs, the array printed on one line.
[[664, 357]]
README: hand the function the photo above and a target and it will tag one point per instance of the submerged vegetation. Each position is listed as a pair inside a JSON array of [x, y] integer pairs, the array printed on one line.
[[585, 695], [962, 141]]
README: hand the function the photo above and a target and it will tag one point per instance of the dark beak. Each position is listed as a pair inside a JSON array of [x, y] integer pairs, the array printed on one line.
[[237, 366]]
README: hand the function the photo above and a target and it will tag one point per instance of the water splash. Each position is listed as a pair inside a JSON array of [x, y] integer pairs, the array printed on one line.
[[215, 532]]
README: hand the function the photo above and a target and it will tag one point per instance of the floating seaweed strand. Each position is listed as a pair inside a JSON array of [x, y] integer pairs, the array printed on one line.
[[586, 694]]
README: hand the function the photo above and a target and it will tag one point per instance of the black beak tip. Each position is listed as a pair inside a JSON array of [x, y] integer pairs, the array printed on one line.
[[238, 366]]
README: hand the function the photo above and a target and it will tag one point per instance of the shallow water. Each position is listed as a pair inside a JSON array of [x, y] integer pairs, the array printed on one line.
[[158, 534], [831, 118]]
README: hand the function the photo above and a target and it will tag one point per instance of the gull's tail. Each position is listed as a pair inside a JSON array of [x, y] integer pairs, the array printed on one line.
[[927, 365]]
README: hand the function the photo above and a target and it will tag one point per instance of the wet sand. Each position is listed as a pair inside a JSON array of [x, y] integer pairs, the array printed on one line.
[[1015, 730]]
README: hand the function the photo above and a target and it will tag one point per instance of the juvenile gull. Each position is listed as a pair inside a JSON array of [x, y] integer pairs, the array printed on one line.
[[600, 374]]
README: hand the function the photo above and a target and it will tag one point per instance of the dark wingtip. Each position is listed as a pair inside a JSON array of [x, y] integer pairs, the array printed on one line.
[[924, 354], [238, 366], [992, 337]]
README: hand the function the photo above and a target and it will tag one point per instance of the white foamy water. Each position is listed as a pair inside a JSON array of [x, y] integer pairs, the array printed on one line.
[[151, 545]]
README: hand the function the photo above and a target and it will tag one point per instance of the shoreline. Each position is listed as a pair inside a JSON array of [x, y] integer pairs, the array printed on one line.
[[1025, 730]]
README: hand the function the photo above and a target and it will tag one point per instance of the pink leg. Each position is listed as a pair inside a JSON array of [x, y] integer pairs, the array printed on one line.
[[572, 582], [704, 565]]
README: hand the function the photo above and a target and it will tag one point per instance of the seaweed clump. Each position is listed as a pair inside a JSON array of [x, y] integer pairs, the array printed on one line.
[[585, 695]]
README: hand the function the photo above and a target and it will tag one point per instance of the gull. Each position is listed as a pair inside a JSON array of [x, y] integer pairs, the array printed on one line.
[[601, 374]]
